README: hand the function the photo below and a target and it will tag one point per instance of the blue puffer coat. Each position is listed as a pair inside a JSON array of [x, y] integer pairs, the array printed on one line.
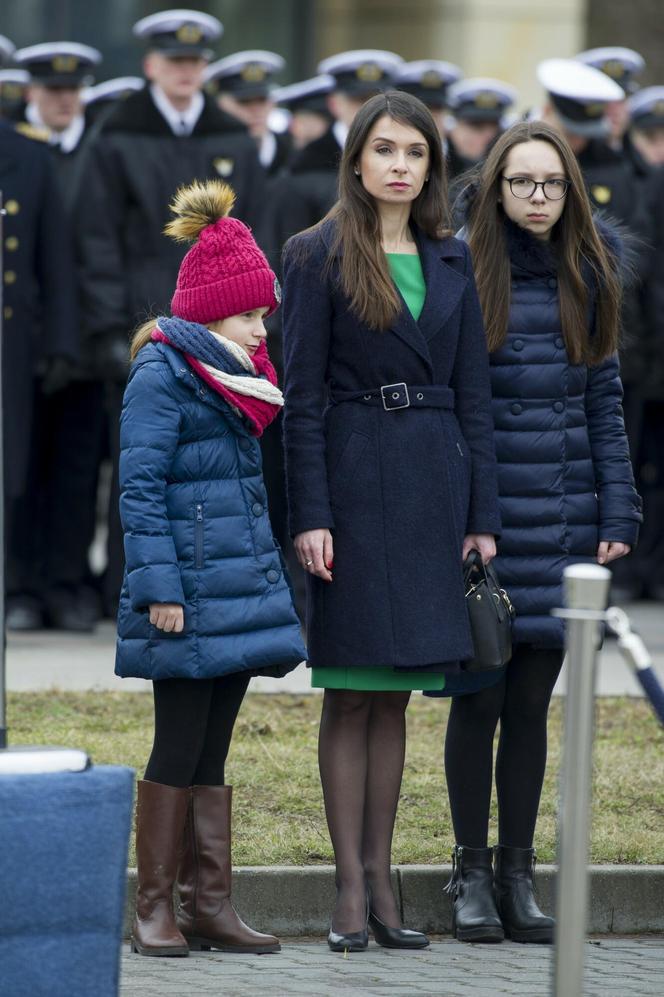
[[564, 474], [197, 533]]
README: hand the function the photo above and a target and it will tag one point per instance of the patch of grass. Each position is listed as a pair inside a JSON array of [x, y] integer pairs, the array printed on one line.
[[278, 803]]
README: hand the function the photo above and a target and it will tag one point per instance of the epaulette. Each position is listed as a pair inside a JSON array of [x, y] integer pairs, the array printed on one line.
[[32, 131]]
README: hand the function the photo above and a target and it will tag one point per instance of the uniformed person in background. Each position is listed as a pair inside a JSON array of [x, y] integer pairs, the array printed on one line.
[[430, 79], [646, 125], [154, 141], [69, 422], [100, 99], [577, 103], [477, 107], [307, 107], [13, 93], [623, 65], [39, 332], [243, 85]]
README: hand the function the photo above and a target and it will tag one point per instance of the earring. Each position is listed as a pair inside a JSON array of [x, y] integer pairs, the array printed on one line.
[[426, 180], [356, 171]]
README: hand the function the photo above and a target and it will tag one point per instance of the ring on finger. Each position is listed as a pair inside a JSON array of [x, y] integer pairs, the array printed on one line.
[[307, 563]]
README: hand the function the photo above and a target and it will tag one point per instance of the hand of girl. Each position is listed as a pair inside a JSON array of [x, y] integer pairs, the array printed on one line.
[[485, 543], [610, 550], [315, 552], [167, 616]]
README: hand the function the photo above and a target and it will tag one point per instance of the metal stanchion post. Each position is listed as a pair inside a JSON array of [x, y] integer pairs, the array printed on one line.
[[586, 591]]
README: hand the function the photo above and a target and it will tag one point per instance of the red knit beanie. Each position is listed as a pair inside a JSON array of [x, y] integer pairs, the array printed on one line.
[[224, 273]]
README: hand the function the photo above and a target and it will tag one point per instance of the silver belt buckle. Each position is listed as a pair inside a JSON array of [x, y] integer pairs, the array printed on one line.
[[390, 394]]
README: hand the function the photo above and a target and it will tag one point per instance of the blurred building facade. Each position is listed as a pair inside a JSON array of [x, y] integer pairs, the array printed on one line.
[[501, 38]]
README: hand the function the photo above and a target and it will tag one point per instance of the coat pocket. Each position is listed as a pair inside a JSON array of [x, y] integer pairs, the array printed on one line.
[[199, 526], [353, 450]]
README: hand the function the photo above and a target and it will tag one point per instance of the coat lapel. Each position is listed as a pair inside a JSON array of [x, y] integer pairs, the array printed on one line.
[[407, 329], [445, 285]]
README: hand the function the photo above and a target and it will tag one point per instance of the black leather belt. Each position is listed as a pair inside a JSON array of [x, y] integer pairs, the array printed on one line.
[[392, 397]]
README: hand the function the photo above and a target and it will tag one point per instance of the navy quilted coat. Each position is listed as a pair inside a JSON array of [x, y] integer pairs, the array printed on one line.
[[197, 533], [564, 474]]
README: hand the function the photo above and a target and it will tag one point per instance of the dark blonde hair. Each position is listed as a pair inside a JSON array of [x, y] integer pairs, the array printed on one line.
[[363, 270], [580, 250]]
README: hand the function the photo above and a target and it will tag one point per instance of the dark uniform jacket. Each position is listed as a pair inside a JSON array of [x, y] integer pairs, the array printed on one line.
[[399, 489], [39, 287], [129, 267], [302, 196]]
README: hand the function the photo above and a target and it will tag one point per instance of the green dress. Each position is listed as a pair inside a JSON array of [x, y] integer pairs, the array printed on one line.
[[407, 274]]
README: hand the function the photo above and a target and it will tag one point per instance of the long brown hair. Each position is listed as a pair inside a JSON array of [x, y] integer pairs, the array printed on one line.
[[580, 252], [364, 275]]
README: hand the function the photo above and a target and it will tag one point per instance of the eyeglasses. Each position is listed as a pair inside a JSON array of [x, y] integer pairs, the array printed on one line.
[[524, 187]]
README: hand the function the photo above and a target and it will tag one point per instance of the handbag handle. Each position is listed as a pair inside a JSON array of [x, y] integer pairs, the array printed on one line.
[[474, 562]]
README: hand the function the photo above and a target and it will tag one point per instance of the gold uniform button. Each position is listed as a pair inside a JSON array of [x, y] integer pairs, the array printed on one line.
[[8, 311], [12, 207], [10, 277], [11, 243]]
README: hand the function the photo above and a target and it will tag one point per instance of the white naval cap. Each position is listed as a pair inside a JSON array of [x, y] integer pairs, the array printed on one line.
[[480, 98], [59, 64], [579, 94], [7, 49], [427, 79], [179, 32], [119, 86], [362, 71], [620, 64], [646, 108], [244, 74], [307, 95]]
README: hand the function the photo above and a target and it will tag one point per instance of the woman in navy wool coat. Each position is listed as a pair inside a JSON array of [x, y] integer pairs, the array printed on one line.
[[391, 476], [205, 602], [548, 280]]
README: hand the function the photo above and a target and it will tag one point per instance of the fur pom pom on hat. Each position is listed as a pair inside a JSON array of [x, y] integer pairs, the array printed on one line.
[[224, 273]]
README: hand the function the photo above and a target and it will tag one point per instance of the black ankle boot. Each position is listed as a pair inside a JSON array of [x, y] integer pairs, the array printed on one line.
[[522, 919], [475, 918]]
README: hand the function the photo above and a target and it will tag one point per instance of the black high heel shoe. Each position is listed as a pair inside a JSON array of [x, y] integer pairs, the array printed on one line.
[[351, 941], [396, 938]]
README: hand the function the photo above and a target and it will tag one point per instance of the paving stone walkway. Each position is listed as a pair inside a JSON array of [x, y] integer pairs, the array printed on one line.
[[615, 967]]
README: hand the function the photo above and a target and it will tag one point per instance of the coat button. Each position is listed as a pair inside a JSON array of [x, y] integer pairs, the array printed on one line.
[[516, 409], [10, 277], [244, 443], [11, 243], [558, 407], [517, 344], [552, 282], [559, 342], [257, 509], [8, 311], [272, 576], [12, 207]]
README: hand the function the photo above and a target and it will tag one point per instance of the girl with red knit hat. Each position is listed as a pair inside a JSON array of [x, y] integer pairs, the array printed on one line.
[[205, 602]]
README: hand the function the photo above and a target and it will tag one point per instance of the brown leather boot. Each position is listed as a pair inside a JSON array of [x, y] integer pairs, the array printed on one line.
[[160, 817], [206, 916]]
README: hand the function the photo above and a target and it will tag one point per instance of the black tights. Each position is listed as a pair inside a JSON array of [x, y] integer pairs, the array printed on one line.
[[361, 753], [193, 726], [521, 702]]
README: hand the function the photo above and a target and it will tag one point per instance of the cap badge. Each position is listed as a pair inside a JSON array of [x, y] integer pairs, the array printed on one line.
[[600, 193], [431, 79], [11, 91], [277, 290], [253, 72], [189, 34], [594, 110], [64, 63], [658, 107], [224, 167], [613, 68], [369, 72], [486, 99]]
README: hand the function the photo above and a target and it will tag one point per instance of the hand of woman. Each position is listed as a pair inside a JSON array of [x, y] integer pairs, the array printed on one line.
[[485, 543], [315, 552], [167, 616], [610, 550]]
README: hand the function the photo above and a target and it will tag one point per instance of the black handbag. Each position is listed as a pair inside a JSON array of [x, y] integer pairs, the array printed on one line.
[[490, 612]]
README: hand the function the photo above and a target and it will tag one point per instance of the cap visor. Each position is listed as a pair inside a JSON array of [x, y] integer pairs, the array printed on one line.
[[586, 129]]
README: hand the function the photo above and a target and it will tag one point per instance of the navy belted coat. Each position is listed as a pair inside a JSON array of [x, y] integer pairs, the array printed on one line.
[[398, 488], [196, 533], [564, 472]]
